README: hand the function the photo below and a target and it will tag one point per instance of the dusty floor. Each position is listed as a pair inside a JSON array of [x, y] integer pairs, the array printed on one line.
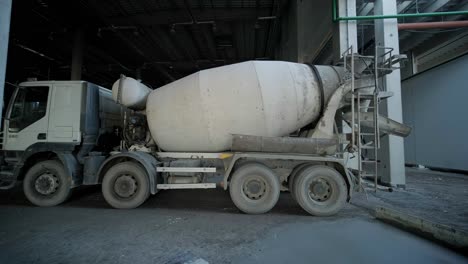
[[204, 226], [436, 196]]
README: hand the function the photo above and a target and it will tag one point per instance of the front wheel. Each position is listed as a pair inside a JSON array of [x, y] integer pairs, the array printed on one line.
[[320, 190], [254, 188], [125, 185], [47, 184]]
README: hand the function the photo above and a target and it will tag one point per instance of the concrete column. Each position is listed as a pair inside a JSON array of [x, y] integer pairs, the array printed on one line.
[[391, 154], [5, 15], [77, 55], [345, 32], [345, 36]]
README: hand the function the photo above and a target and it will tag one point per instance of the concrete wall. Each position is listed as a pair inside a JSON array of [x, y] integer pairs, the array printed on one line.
[[287, 49], [314, 27], [435, 105], [306, 26]]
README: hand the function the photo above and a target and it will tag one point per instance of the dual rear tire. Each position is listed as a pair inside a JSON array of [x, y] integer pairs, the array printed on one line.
[[254, 188], [319, 190]]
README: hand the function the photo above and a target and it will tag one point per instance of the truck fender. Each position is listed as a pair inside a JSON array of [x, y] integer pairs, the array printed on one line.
[[148, 162], [63, 152], [348, 178], [70, 163]]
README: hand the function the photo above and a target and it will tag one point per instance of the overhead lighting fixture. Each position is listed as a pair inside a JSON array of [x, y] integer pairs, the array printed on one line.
[[266, 18], [257, 25]]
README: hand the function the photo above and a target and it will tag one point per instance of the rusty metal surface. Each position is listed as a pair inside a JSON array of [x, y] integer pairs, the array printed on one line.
[[247, 143]]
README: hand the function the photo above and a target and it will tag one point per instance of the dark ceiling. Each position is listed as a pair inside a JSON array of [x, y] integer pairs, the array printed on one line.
[[164, 40], [158, 40]]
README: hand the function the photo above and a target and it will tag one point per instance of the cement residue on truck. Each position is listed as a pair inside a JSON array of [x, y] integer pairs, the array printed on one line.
[[255, 128]]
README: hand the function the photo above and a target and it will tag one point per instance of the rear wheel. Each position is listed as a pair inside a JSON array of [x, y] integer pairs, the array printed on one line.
[[254, 188], [296, 171], [47, 183], [320, 190], [125, 185]]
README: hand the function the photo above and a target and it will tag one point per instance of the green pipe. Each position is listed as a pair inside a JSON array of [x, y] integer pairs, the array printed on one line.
[[335, 16], [432, 14]]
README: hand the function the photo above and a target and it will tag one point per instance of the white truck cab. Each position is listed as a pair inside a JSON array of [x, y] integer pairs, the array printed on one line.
[[33, 118], [55, 124]]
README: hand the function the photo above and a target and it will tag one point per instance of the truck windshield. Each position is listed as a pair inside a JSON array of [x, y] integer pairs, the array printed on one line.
[[29, 106]]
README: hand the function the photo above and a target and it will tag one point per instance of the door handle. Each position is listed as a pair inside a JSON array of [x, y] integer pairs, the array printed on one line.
[[41, 136]]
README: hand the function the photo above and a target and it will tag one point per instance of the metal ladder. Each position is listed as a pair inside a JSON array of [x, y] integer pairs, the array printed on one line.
[[383, 62], [361, 103], [367, 168]]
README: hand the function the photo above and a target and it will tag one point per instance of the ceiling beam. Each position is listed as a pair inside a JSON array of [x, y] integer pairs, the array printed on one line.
[[403, 6], [366, 9], [420, 37], [126, 40], [167, 17], [433, 7]]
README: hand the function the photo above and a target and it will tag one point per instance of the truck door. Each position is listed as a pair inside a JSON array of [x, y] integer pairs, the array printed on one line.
[[64, 113], [27, 117]]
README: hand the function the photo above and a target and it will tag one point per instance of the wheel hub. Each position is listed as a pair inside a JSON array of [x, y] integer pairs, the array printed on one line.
[[46, 184], [320, 190], [125, 186], [254, 188]]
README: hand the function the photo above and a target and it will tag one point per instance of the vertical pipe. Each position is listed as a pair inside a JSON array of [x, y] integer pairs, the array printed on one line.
[[359, 141], [376, 137], [334, 10], [352, 99], [77, 55], [5, 16]]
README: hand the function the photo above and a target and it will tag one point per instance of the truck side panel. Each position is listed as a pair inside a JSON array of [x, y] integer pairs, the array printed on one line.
[[109, 111], [65, 113]]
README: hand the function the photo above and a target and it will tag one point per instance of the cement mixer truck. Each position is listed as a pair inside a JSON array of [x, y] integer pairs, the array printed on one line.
[[254, 128]]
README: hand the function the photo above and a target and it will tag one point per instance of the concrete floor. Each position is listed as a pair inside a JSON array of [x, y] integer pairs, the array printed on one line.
[[436, 196], [200, 227]]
